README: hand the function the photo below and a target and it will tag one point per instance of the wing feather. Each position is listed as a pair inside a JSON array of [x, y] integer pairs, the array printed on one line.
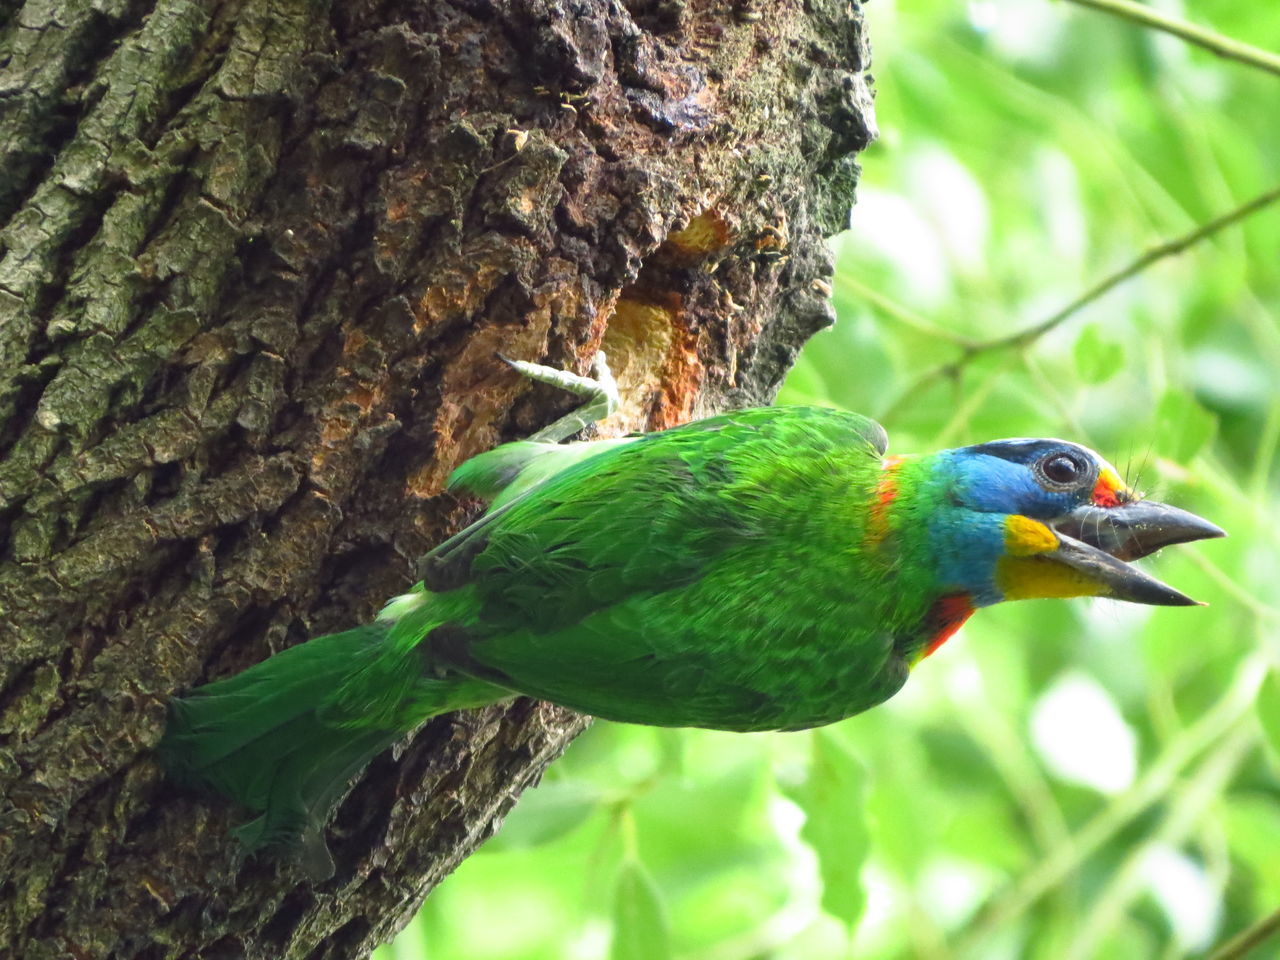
[[612, 585]]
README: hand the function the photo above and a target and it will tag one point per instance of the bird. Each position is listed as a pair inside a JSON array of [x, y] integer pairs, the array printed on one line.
[[771, 568]]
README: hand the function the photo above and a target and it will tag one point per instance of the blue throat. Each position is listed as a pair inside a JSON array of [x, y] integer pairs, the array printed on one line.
[[967, 538]]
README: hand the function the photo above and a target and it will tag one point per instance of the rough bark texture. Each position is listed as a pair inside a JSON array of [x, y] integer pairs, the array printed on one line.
[[256, 259]]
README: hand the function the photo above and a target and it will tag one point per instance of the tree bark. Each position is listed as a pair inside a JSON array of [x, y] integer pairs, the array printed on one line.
[[256, 261]]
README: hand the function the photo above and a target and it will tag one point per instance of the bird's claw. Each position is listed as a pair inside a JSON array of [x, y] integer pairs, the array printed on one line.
[[599, 393]]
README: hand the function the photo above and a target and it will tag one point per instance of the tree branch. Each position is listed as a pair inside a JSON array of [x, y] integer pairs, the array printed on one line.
[[1243, 943], [1210, 728], [1151, 256], [1215, 43], [1024, 338]]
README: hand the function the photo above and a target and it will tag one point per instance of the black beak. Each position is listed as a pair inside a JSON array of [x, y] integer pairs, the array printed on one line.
[[1098, 540], [1131, 531], [1116, 578]]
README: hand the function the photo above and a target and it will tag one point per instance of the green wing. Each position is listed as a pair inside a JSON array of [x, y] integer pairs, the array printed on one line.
[[509, 471], [503, 476], [648, 513], [613, 578]]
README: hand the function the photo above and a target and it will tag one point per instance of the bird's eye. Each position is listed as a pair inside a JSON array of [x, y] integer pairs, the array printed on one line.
[[1062, 469]]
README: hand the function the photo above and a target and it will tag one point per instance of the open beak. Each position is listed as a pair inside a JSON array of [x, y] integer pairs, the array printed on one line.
[[1098, 540]]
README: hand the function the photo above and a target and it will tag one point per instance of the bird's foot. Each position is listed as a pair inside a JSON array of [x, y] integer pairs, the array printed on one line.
[[599, 392]]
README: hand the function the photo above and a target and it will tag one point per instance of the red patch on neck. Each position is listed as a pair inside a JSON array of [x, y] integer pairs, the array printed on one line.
[[946, 616], [886, 491]]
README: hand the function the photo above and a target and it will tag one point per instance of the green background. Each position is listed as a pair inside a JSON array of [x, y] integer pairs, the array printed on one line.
[[1064, 779]]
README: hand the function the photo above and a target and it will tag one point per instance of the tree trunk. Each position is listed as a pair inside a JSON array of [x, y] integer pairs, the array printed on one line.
[[257, 259]]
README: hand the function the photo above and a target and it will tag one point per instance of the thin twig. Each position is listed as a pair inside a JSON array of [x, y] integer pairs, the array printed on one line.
[[1027, 336], [1186, 809], [1154, 784], [1167, 249], [1213, 42], [895, 311], [1243, 942]]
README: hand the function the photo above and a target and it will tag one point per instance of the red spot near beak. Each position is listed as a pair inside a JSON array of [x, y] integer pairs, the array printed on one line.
[[1106, 493]]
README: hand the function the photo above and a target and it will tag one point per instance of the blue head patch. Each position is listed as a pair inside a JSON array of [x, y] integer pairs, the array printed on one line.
[[1036, 478], [988, 483]]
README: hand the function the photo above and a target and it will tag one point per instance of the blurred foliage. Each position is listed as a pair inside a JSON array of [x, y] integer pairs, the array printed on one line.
[[1065, 780]]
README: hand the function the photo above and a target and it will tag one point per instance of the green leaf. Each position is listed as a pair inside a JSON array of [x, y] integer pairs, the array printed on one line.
[[547, 813], [671, 751], [1268, 707], [640, 930], [1252, 825], [1097, 359], [1183, 427], [835, 827]]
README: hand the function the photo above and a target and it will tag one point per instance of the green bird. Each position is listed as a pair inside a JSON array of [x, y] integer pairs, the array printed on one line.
[[769, 569]]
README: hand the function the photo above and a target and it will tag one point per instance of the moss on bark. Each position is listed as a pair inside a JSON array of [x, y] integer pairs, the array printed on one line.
[[256, 258]]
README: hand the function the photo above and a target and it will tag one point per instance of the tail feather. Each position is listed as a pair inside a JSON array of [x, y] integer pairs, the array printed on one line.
[[233, 736], [301, 794], [285, 738]]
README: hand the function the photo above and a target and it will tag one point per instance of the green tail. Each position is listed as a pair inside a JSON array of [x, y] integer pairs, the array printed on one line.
[[286, 737]]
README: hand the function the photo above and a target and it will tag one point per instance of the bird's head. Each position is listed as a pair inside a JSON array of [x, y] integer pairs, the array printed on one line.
[[1022, 519]]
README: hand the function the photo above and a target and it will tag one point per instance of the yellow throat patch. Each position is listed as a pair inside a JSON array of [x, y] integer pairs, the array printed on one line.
[[1026, 573]]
